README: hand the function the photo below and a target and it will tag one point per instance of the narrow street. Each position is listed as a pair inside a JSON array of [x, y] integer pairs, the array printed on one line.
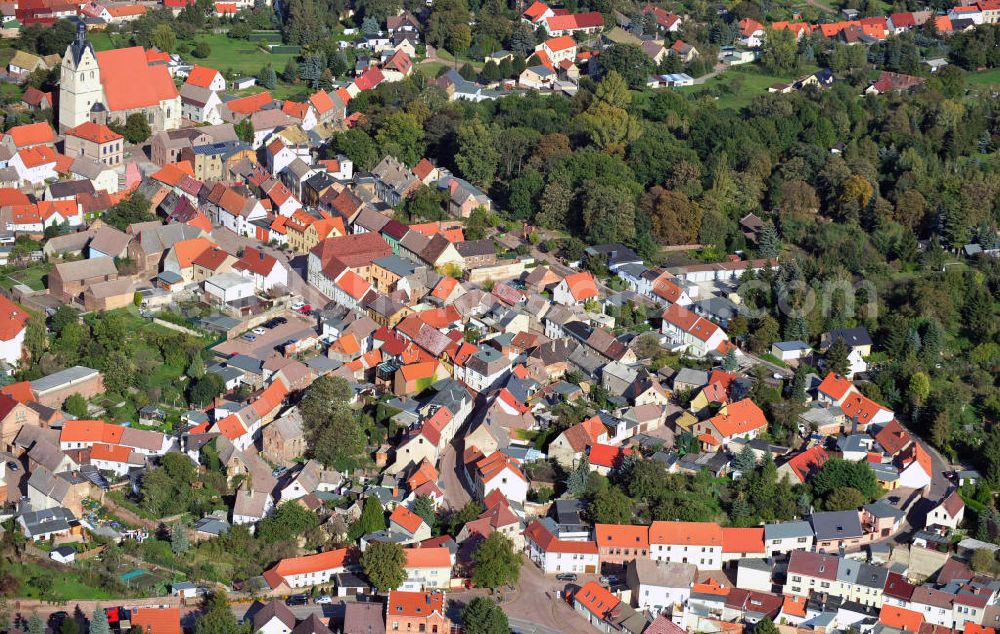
[[536, 608]]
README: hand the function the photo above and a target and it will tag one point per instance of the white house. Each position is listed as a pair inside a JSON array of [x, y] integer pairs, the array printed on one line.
[[575, 289], [265, 270], [35, 165], [917, 467], [499, 472], [693, 334], [13, 326], [698, 543], [310, 570], [659, 586], [554, 555], [350, 289], [229, 287], [949, 512], [115, 458]]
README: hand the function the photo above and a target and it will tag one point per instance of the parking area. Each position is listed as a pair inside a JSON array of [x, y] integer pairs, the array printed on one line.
[[262, 346]]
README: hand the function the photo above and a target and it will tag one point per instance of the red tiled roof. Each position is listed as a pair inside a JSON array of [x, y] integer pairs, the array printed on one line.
[[250, 104], [686, 533], [406, 518], [743, 540], [12, 319], [607, 455], [202, 76], [91, 431], [806, 463], [621, 536], [900, 618], [893, 437], [32, 134], [592, 19], [415, 604], [330, 560], [596, 599], [94, 132], [739, 418], [131, 82]]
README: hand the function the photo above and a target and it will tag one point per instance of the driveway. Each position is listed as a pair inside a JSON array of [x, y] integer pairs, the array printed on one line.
[[455, 495], [536, 607], [263, 346]]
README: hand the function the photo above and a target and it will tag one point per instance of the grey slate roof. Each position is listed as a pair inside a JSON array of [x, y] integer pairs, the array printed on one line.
[[787, 530], [830, 525]]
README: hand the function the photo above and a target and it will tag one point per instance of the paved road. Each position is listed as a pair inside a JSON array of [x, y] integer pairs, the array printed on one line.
[[455, 494], [535, 605]]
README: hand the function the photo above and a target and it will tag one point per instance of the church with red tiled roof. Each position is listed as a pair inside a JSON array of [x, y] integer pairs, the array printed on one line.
[[108, 86]]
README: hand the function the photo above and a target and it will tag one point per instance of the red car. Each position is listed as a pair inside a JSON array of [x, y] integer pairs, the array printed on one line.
[[305, 310]]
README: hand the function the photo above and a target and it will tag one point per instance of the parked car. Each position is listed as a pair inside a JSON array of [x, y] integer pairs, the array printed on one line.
[[298, 304], [323, 599], [609, 580], [566, 576], [259, 331], [305, 309], [13, 466], [274, 323], [249, 337], [297, 599]]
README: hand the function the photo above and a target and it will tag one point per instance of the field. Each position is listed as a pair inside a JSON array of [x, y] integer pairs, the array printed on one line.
[[985, 78], [33, 276], [228, 55], [736, 87], [63, 584]]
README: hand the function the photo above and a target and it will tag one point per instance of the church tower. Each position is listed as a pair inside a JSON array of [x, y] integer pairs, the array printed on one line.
[[80, 82]]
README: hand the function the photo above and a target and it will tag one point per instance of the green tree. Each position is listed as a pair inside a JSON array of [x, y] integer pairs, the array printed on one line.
[[35, 624], [983, 561], [372, 519], [201, 50], [205, 389], [770, 244], [302, 23], [136, 128], [244, 130], [77, 406], [629, 61], [401, 136], [746, 461], [358, 146], [836, 358], [765, 626], [383, 564], [978, 313], [610, 506], [490, 72], [843, 499], [69, 626], [496, 562], [218, 618], [765, 332], [837, 473], [919, 388], [134, 209], [163, 38], [484, 616], [196, 369], [99, 622], [423, 506], [477, 156], [607, 120], [288, 521], [576, 484], [179, 539], [778, 53]]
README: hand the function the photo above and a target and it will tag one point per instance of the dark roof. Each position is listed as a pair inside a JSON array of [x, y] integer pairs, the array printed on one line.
[[273, 609], [831, 525], [476, 248], [852, 336]]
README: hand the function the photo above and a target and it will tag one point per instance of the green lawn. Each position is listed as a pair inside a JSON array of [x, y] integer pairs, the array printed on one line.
[[238, 56], [986, 77], [737, 87], [66, 582], [32, 276]]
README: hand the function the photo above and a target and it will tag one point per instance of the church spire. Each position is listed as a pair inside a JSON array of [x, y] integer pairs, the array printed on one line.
[[80, 43]]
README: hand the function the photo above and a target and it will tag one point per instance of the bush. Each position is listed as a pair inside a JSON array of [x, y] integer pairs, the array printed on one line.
[[202, 50]]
